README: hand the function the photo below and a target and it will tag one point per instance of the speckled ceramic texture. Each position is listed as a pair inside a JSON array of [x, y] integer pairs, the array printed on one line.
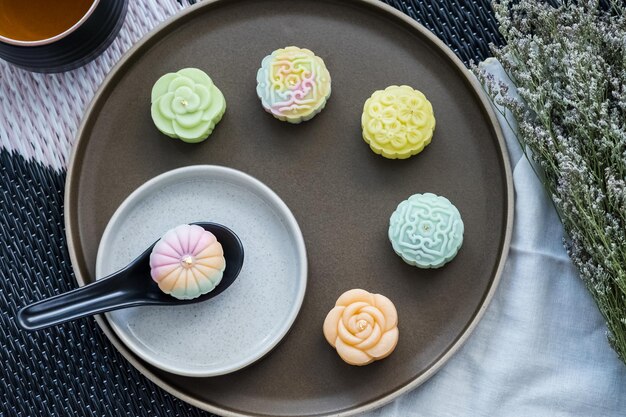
[[340, 191], [239, 326]]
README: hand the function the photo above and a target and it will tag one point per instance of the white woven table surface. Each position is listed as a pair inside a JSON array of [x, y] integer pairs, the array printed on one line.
[[40, 113]]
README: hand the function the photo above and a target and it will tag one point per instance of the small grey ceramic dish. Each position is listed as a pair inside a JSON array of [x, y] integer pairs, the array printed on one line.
[[244, 323]]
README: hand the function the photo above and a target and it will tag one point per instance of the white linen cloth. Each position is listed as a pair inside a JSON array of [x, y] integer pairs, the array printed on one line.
[[540, 349]]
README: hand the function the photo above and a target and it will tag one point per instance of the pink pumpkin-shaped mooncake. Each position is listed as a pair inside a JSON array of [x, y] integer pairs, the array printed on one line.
[[187, 262]]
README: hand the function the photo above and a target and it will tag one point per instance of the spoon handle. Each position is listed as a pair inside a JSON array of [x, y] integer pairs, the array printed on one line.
[[103, 295]]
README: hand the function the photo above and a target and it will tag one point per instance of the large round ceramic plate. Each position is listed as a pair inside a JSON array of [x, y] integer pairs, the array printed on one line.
[[340, 192]]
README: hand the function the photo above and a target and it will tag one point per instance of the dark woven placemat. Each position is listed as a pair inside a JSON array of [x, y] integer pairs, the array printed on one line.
[[73, 369]]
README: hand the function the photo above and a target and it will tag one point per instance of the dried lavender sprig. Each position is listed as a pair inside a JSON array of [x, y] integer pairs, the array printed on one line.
[[569, 65]]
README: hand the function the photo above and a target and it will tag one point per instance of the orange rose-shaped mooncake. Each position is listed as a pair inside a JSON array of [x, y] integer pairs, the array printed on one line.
[[363, 327]]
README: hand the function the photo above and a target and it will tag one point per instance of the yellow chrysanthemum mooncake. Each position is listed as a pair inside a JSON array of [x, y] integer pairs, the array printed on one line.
[[398, 122]]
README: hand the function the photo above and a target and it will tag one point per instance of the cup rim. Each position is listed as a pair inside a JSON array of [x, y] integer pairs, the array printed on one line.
[[54, 38]]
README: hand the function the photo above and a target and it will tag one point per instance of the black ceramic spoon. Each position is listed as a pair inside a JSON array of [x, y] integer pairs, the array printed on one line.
[[128, 287]]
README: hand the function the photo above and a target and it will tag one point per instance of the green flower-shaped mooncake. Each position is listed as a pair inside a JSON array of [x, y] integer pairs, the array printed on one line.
[[186, 105]]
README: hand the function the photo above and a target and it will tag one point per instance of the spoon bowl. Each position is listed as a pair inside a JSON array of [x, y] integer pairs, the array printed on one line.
[[129, 287]]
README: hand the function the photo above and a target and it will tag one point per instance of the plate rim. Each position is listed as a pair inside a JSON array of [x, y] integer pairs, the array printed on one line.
[[417, 29], [255, 186]]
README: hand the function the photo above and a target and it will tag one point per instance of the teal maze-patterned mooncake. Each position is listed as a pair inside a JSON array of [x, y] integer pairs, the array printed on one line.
[[426, 230]]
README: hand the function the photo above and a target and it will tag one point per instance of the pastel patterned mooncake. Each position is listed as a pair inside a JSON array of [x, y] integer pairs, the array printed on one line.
[[426, 230], [187, 262], [293, 84]]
